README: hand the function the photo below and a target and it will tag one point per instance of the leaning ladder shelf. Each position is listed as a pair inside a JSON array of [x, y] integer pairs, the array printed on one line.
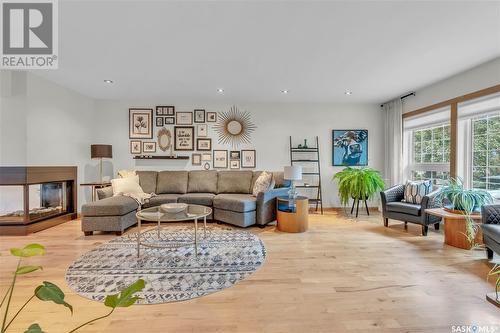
[[297, 157]]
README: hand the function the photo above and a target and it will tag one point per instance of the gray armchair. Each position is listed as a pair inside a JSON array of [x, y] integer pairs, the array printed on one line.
[[491, 228], [394, 208]]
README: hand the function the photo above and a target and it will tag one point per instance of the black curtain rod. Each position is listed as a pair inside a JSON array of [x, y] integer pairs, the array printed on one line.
[[402, 97]]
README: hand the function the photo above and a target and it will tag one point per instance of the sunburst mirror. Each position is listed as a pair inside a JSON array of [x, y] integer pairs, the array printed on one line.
[[234, 127]]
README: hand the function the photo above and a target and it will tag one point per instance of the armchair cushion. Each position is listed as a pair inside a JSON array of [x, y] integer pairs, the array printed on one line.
[[404, 208], [492, 231]]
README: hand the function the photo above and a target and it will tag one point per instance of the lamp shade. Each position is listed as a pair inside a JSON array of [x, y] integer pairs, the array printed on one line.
[[101, 151], [293, 172]]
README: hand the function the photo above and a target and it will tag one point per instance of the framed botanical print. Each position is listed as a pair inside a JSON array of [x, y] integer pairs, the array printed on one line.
[[135, 147], [159, 121], [203, 144], [165, 110], [184, 137], [234, 164], [202, 130], [149, 147], [235, 155], [196, 159], [220, 159], [248, 158], [199, 116], [206, 157], [169, 121], [212, 117], [184, 118], [140, 123]]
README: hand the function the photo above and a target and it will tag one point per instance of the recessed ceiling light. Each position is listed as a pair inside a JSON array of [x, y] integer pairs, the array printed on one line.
[[284, 91], [108, 81], [348, 92], [220, 91]]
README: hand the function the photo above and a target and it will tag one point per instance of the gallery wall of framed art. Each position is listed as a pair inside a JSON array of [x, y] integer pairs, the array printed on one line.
[[204, 139]]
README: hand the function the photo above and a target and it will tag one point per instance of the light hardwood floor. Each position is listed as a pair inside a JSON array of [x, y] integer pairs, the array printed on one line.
[[343, 275]]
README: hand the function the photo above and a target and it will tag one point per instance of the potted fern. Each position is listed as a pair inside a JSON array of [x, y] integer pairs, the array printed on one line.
[[457, 199], [358, 184]]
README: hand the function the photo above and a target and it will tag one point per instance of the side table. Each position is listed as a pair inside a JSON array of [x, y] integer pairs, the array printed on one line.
[[455, 228], [94, 186], [292, 214]]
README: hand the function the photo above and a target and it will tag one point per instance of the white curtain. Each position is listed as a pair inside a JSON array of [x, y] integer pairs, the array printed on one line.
[[393, 112]]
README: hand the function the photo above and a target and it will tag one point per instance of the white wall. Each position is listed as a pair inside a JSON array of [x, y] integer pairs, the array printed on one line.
[[13, 89], [275, 123], [43, 123], [477, 78]]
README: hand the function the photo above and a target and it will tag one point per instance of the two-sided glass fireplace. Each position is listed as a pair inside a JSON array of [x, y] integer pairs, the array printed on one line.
[[31, 201]]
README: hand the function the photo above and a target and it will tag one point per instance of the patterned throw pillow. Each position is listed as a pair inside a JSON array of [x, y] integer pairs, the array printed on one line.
[[415, 191], [262, 183]]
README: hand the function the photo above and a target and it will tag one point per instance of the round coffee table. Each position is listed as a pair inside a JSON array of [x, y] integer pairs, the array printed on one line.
[[155, 214]]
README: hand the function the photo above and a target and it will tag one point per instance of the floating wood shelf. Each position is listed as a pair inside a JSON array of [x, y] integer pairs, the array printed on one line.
[[160, 157]]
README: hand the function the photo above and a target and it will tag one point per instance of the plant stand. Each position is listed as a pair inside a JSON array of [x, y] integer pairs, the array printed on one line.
[[357, 206]]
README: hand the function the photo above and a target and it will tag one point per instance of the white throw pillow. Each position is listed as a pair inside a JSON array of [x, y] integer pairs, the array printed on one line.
[[126, 173], [128, 185], [262, 183]]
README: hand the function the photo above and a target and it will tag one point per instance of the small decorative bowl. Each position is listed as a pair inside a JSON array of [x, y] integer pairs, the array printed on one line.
[[173, 208]]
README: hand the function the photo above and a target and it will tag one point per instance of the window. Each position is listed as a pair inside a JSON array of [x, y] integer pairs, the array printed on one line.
[[478, 146], [427, 146], [486, 152]]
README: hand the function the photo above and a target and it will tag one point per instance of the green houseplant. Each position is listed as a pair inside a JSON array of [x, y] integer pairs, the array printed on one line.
[[50, 292], [358, 183], [456, 197], [495, 271]]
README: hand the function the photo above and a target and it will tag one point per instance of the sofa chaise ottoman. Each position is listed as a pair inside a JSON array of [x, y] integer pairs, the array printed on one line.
[[228, 193]]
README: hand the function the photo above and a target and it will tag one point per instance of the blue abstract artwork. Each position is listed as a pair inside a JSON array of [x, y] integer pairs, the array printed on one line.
[[350, 147]]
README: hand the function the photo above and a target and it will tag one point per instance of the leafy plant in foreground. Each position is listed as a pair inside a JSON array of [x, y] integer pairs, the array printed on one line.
[[51, 292], [496, 271]]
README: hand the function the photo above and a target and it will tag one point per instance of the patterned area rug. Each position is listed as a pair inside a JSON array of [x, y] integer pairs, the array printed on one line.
[[225, 257]]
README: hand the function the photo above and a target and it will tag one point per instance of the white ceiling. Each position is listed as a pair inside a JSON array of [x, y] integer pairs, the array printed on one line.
[[253, 50]]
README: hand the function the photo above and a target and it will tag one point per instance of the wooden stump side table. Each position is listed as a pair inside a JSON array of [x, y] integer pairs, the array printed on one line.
[[455, 228], [292, 215]]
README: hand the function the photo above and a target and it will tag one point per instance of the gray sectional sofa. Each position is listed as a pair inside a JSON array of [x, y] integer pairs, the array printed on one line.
[[229, 193]]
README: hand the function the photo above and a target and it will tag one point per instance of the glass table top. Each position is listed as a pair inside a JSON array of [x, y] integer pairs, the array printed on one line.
[[190, 213]]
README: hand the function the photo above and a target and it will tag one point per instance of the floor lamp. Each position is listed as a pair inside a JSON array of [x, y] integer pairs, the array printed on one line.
[[100, 152]]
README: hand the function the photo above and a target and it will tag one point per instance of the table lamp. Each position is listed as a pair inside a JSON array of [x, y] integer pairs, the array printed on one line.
[[293, 173], [101, 151]]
